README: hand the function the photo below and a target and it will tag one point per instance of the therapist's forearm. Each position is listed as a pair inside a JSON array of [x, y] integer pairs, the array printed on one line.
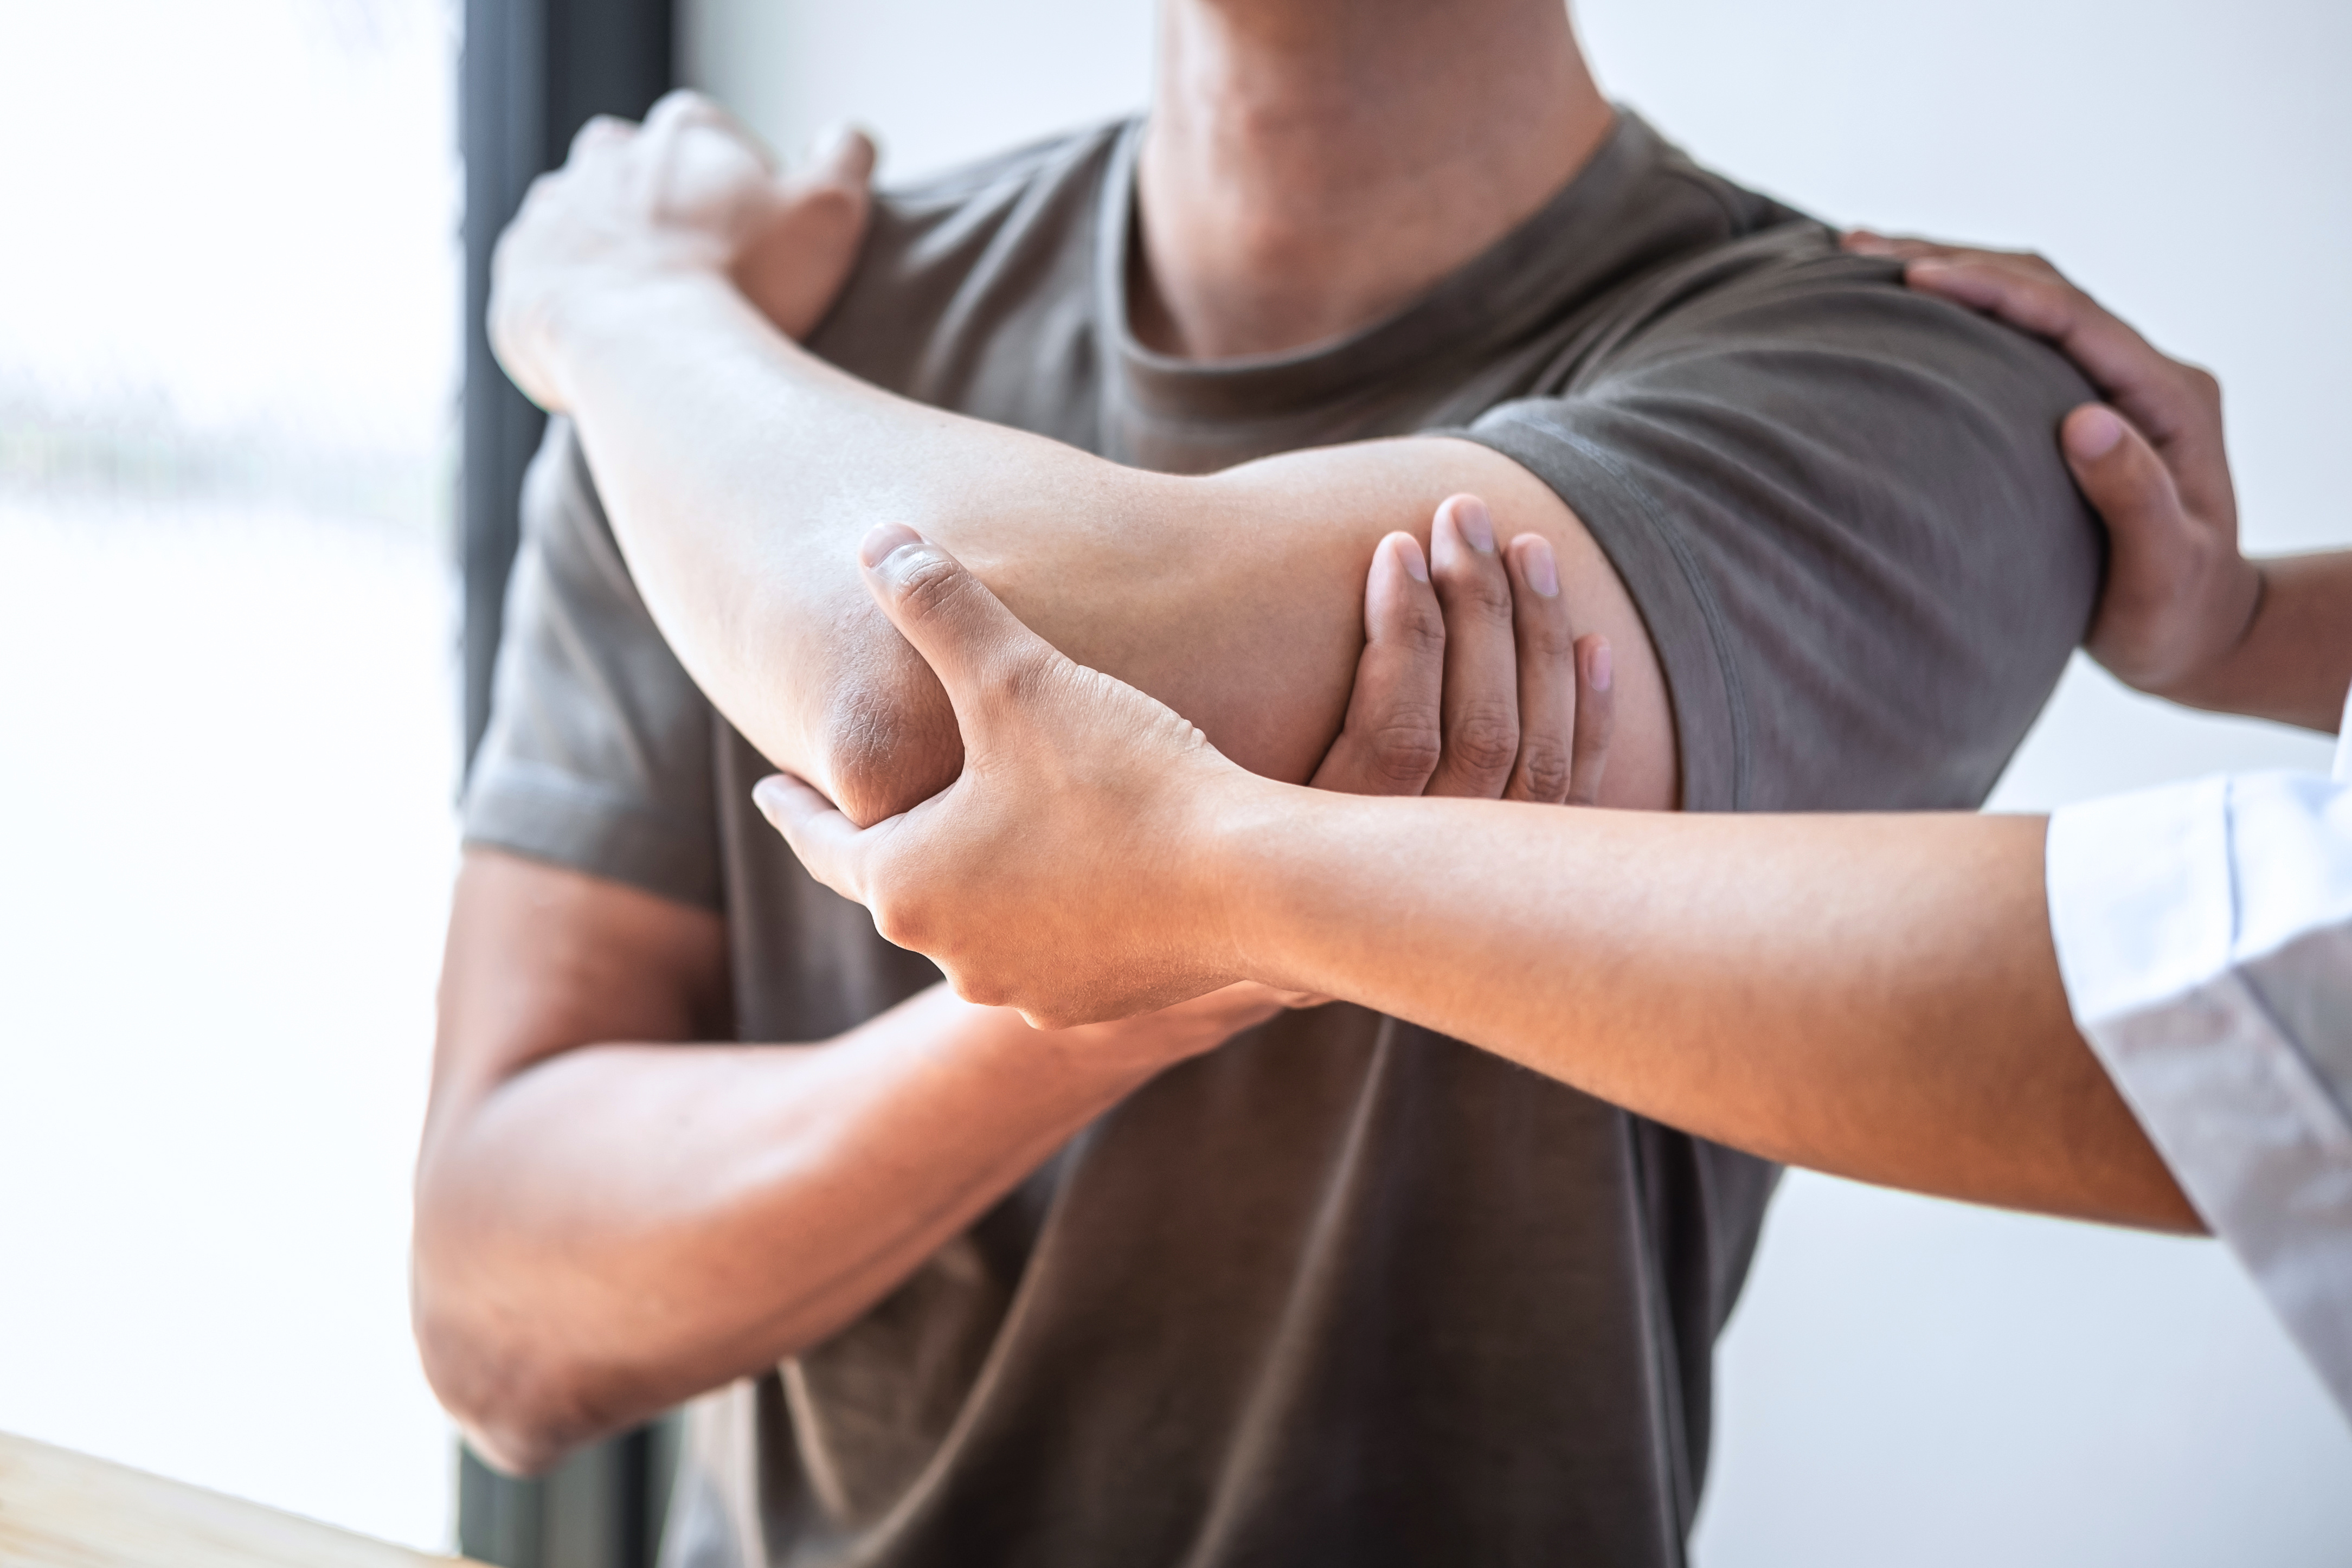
[[1875, 996], [740, 472]]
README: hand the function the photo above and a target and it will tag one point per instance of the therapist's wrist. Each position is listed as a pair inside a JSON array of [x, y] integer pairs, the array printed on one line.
[[2291, 659], [1251, 855]]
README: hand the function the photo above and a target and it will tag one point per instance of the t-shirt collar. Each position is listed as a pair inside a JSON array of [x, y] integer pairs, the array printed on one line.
[[1561, 251]]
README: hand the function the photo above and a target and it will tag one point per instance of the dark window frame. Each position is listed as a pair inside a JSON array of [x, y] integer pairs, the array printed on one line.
[[532, 73]]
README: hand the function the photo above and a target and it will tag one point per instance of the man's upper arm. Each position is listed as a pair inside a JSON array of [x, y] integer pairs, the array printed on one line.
[[1824, 521], [1842, 512], [1348, 497], [587, 907], [598, 751], [543, 960]]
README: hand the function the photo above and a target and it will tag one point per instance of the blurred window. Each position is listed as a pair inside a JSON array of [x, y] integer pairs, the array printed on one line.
[[229, 325]]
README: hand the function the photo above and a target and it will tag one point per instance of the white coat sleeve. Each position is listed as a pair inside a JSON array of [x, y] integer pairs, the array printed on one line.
[[2204, 931]]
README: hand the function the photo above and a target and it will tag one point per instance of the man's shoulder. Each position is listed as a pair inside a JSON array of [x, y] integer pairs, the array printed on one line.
[[1001, 180], [1732, 266], [1788, 290], [1744, 212], [963, 256]]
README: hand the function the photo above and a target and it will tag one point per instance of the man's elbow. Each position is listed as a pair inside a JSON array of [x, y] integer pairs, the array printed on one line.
[[889, 740], [520, 1405], [499, 1363]]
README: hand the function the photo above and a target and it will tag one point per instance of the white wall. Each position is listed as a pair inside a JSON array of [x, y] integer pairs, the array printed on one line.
[[1907, 1381], [936, 80]]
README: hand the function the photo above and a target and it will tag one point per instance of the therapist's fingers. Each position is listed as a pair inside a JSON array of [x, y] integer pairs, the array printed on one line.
[[1391, 741], [1480, 710], [2176, 587], [2032, 295], [2125, 481], [2175, 405], [2164, 397], [834, 850], [1596, 717], [990, 664], [2170, 400], [1547, 660], [1901, 247]]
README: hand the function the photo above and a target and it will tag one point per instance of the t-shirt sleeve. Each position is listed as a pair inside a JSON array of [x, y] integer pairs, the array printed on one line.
[[1840, 509], [599, 753]]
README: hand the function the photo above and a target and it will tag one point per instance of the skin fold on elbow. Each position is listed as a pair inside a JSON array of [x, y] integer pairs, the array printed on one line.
[[523, 1405], [889, 740], [499, 1363]]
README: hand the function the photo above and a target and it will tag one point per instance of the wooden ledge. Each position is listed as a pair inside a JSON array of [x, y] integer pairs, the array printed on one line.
[[63, 1509]]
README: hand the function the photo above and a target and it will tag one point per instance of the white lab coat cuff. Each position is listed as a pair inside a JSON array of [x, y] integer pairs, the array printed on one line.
[[2149, 897]]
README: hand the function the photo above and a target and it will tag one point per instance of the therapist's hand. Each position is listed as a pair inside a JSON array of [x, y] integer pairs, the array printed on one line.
[[2179, 597], [689, 191], [1472, 682], [1057, 873]]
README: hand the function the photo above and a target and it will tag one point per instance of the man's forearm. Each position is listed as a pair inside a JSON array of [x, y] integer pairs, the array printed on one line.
[[620, 1227], [1878, 997], [740, 472]]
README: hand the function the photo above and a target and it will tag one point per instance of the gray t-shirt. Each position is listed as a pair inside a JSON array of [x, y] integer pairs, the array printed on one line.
[[1344, 1290]]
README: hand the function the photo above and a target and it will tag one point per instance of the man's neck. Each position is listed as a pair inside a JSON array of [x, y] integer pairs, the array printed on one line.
[[1311, 165]]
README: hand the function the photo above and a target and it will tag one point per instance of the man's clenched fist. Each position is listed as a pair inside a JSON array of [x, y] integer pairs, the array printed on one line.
[[689, 191]]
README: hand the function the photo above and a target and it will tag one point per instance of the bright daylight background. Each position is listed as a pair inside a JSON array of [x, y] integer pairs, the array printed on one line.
[[228, 324], [228, 321]]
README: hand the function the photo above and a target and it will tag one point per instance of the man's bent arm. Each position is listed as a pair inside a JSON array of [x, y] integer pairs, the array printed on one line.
[[609, 1222], [739, 472], [605, 1229]]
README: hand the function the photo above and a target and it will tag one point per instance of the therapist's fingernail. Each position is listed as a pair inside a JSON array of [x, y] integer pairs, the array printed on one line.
[[1470, 515], [2093, 433], [1543, 568], [1416, 564], [885, 538], [768, 795]]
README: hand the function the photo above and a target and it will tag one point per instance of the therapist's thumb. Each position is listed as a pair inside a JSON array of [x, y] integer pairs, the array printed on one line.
[[2125, 482], [979, 650]]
